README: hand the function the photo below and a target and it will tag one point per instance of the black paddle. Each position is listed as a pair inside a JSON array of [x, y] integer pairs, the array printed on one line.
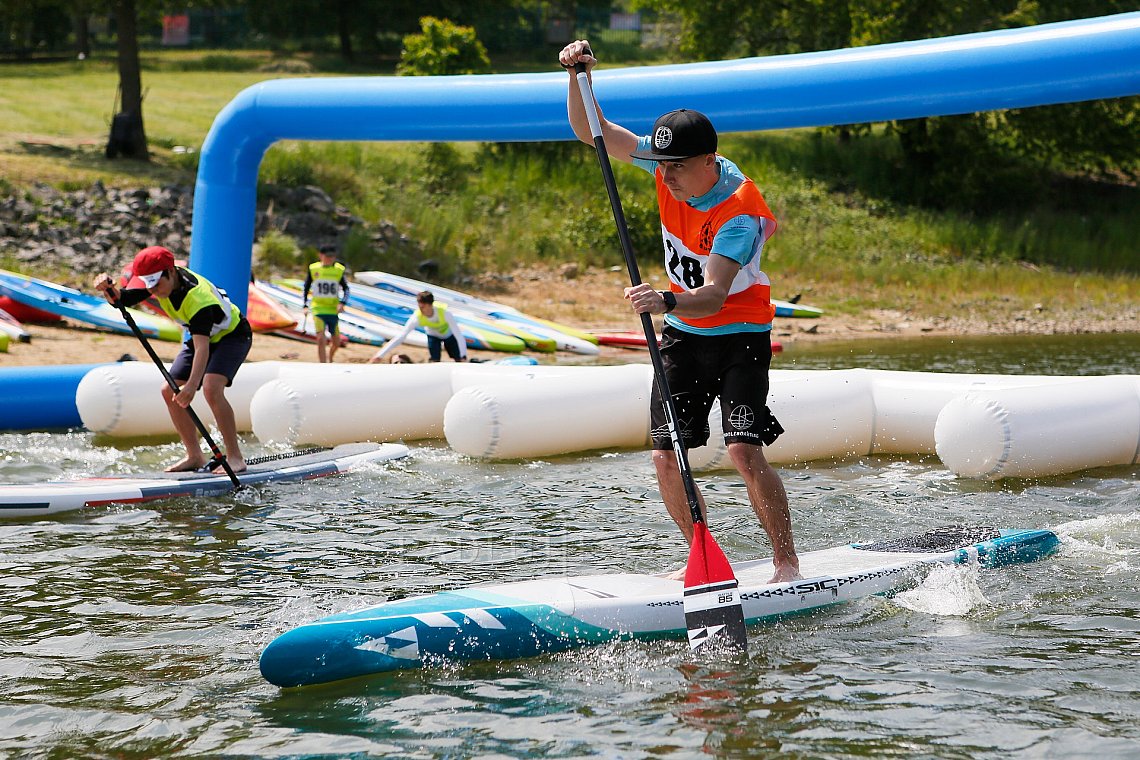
[[219, 457], [712, 607]]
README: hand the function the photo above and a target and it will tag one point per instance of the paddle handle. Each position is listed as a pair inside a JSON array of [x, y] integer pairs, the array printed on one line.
[[590, 106], [217, 452]]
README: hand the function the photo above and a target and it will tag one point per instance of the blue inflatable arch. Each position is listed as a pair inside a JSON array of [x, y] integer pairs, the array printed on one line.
[[1016, 68]]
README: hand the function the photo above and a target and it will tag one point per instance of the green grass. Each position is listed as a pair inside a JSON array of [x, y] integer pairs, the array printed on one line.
[[74, 101], [845, 241]]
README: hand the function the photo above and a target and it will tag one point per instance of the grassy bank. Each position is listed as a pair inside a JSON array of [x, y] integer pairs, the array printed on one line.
[[493, 208]]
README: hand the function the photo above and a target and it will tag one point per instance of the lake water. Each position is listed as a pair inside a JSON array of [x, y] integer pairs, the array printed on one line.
[[133, 632]]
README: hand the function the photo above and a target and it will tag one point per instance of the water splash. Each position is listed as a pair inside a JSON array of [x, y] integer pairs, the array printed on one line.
[[1114, 533], [948, 591]]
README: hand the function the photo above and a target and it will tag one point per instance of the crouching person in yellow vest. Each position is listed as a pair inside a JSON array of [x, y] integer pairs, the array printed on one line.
[[220, 339], [329, 287], [440, 325]]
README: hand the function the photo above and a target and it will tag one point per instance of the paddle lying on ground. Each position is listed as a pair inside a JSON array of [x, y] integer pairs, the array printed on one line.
[[712, 607], [219, 457]]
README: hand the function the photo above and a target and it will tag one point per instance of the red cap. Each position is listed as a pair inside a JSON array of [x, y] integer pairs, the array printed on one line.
[[150, 263], [127, 279]]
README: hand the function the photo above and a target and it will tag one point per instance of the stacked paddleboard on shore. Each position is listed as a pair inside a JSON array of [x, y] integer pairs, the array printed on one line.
[[354, 327], [509, 318], [539, 334], [528, 618], [796, 310], [390, 313], [24, 313], [265, 314], [71, 304], [12, 329]]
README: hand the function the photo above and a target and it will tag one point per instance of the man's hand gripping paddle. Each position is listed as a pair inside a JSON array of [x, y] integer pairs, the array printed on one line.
[[713, 612], [219, 457]]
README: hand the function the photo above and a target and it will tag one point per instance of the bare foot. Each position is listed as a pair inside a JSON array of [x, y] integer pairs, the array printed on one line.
[[189, 464], [786, 573], [237, 465], [676, 575]]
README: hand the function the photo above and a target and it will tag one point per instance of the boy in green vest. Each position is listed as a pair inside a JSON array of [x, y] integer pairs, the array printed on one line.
[[440, 325], [326, 280], [220, 339]]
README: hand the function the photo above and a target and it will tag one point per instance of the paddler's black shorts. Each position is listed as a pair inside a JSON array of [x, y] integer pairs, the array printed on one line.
[[702, 368], [226, 356], [329, 323]]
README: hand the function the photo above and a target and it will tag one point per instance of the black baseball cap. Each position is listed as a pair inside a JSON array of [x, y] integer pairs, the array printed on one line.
[[680, 134]]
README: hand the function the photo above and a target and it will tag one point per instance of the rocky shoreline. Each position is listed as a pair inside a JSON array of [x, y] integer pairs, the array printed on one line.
[[99, 228]]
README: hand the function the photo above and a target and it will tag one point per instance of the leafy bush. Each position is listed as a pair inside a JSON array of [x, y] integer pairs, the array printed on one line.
[[548, 154], [591, 232], [445, 171], [442, 48], [277, 252], [291, 168], [334, 167], [361, 253]]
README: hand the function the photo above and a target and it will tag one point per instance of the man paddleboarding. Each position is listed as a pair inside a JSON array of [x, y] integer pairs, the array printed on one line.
[[716, 342]]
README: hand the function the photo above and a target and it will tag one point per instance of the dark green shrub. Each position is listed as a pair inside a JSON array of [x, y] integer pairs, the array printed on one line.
[[442, 48]]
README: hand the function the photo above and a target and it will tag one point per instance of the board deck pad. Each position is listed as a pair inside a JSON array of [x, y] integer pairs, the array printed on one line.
[[529, 618], [34, 500], [938, 540]]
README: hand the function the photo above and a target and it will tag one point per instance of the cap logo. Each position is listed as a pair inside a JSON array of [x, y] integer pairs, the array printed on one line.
[[662, 138]]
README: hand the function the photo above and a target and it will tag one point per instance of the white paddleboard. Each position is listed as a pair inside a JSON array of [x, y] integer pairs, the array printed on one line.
[[39, 499], [529, 618]]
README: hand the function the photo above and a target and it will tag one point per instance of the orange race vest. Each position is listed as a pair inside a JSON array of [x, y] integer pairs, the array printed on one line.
[[688, 236]]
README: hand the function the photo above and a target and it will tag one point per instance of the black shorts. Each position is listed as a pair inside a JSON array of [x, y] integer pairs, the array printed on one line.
[[226, 356], [328, 323], [435, 346], [702, 368]]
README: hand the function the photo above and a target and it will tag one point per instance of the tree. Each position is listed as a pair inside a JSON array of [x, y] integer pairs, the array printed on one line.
[[128, 136], [1097, 136], [81, 12]]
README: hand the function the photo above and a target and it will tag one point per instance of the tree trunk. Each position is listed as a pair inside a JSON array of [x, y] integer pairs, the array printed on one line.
[[914, 138], [82, 35], [344, 29], [128, 137]]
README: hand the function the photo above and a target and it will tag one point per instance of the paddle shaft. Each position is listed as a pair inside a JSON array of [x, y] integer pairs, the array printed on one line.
[[218, 455], [590, 107]]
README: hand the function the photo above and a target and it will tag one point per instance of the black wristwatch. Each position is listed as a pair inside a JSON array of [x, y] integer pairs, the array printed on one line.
[[670, 299]]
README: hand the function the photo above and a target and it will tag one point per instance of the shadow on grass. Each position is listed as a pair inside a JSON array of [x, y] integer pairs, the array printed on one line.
[[76, 165]]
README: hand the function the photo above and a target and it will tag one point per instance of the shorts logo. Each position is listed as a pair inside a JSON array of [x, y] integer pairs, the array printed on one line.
[[662, 138], [741, 418]]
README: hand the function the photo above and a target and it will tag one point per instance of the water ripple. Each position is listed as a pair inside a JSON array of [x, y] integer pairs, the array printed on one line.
[[135, 632]]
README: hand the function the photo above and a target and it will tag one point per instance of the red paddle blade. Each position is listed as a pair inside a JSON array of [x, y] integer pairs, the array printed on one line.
[[713, 613]]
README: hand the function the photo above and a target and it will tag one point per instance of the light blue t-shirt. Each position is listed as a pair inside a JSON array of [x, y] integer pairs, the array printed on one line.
[[735, 240]]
